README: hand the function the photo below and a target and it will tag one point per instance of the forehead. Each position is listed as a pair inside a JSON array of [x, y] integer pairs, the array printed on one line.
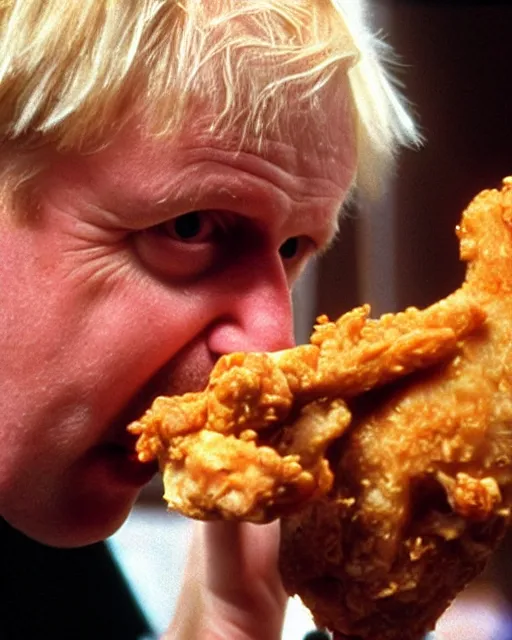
[[314, 143], [301, 175]]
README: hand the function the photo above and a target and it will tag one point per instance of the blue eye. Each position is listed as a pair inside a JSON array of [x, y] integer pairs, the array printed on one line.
[[289, 248]]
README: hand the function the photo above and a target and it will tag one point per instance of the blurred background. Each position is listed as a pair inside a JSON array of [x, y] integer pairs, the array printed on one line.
[[454, 59]]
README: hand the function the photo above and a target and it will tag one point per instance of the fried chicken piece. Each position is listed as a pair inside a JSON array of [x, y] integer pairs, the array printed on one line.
[[385, 521], [220, 451], [252, 446], [423, 476]]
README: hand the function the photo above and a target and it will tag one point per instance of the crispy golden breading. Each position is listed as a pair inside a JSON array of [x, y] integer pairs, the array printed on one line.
[[423, 477], [384, 445], [252, 445]]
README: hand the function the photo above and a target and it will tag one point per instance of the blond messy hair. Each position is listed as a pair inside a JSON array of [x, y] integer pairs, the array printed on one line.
[[72, 72]]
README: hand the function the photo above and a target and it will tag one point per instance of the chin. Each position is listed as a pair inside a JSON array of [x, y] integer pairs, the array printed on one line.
[[85, 504], [78, 526], [81, 533]]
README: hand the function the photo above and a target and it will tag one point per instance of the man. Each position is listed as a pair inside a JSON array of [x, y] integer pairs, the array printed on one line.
[[168, 168]]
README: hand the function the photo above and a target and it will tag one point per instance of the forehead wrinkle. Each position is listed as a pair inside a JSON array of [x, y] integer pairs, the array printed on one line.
[[261, 188], [288, 212], [299, 179]]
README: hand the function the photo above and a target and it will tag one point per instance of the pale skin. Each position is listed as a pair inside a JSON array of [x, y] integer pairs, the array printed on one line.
[[140, 265]]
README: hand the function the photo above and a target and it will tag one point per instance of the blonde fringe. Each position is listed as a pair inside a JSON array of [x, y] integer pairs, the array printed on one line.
[[72, 72]]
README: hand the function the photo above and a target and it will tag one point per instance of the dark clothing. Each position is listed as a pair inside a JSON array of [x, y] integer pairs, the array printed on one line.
[[54, 594]]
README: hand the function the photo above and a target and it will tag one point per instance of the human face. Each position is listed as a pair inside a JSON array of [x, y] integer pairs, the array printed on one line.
[[141, 265]]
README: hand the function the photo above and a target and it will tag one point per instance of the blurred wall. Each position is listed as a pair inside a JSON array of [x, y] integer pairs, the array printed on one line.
[[456, 65], [459, 76], [456, 60]]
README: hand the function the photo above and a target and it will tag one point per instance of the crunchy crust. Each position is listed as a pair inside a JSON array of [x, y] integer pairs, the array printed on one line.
[[422, 487], [384, 445], [253, 445]]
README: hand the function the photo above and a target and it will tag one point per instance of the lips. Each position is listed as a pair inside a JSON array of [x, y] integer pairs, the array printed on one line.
[[117, 454], [126, 441], [126, 465], [188, 371], [120, 455]]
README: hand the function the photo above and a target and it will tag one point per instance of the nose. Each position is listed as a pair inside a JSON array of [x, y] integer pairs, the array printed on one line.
[[255, 312]]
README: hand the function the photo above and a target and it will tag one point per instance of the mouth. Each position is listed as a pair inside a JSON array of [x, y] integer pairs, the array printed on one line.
[[174, 378], [117, 455], [124, 463]]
